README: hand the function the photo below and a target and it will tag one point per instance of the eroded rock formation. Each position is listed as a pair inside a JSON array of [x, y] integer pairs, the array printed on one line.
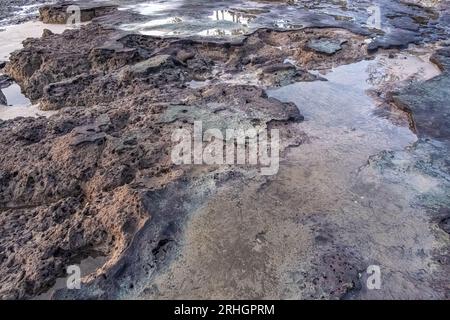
[[84, 175], [97, 177]]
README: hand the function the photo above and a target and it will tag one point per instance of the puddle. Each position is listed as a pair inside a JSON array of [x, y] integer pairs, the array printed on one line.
[[384, 70], [14, 96], [19, 105], [204, 18], [341, 106], [194, 84], [11, 38], [234, 18], [87, 266], [343, 102]]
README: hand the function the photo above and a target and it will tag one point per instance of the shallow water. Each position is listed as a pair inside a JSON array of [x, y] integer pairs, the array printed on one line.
[[210, 18], [343, 101], [234, 18], [11, 39], [19, 105], [258, 240], [14, 96], [255, 240]]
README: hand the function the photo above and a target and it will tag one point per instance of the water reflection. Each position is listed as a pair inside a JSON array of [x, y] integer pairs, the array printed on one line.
[[152, 8], [157, 27], [217, 32], [15, 97], [232, 16]]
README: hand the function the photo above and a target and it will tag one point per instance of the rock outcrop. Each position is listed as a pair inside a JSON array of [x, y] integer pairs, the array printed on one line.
[[62, 12], [82, 182], [99, 64]]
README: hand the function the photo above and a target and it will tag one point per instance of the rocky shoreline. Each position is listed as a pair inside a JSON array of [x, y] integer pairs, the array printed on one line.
[[96, 178]]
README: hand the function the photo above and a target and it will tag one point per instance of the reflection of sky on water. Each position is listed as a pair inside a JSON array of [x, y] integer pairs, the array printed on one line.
[[231, 16], [153, 8], [178, 18], [220, 18], [236, 17], [221, 32]]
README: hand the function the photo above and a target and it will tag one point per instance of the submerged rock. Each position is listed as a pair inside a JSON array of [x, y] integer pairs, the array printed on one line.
[[398, 39], [406, 23], [326, 46]]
